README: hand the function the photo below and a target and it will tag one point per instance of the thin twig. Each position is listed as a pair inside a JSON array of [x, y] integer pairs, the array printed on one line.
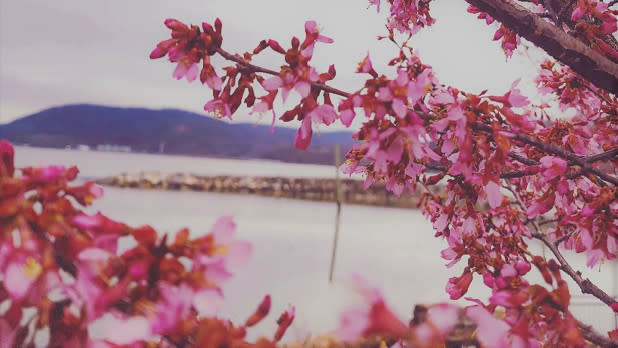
[[240, 61], [585, 285], [524, 138], [603, 155]]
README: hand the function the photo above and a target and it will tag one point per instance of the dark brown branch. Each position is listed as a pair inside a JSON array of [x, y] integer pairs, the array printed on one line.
[[550, 148], [523, 159], [550, 9], [242, 62], [602, 156], [590, 64], [592, 336], [586, 286], [567, 155]]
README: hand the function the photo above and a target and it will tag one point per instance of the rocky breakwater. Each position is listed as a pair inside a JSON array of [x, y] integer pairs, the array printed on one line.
[[315, 189]]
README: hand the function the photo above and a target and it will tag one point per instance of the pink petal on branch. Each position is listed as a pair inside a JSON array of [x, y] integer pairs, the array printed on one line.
[[219, 108], [494, 196], [180, 71], [208, 302], [86, 221], [458, 286], [347, 116], [94, 254], [508, 270], [365, 65], [441, 222], [174, 304], [272, 83], [448, 254], [374, 317], [501, 298], [384, 94], [578, 12], [441, 319], [444, 317], [594, 256], [587, 210], [216, 269], [16, 281], [124, 331], [224, 230], [352, 325], [491, 332], [304, 134], [96, 191], [192, 72], [312, 28], [8, 332], [399, 107], [553, 166], [239, 254], [303, 88]]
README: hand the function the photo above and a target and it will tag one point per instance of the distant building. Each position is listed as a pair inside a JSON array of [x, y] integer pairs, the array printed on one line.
[[82, 147], [113, 148]]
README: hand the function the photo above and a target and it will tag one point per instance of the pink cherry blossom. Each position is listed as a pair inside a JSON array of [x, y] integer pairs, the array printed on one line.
[[458, 286], [491, 332], [218, 108], [20, 276], [553, 166], [372, 317], [188, 70], [494, 196], [123, 331]]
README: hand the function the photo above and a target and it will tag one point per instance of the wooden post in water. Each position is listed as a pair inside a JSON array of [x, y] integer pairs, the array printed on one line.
[[338, 215]]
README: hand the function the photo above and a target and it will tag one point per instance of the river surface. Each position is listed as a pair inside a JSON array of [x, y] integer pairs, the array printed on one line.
[[393, 248]]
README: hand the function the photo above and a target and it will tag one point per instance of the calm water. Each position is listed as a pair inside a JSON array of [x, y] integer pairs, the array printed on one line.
[[292, 240], [98, 164]]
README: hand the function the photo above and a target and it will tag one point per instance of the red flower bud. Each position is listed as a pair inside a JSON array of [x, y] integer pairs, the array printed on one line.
[[176, 25], [7, 154], [260, 313], [284, 321], [275, 46]]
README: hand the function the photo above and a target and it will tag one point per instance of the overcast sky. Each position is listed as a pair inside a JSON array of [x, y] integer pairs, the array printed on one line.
[[68, 51]]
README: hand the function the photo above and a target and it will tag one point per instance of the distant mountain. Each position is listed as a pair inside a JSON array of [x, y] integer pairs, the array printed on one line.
[[176, 131]]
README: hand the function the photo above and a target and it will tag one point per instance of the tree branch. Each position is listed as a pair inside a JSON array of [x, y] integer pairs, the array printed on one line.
[[590, 64], [592, 336], [242, 62], [585, 285], [603, 155], [549, 148]]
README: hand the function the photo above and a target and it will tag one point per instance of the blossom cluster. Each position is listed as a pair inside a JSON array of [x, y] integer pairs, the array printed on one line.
[[511, 170], [67, 274], [590, 20]]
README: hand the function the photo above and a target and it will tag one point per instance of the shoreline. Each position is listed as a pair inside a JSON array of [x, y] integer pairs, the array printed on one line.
[[313, 189]]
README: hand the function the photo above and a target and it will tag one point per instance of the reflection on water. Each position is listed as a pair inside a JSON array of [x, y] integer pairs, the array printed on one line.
[[393, 248]]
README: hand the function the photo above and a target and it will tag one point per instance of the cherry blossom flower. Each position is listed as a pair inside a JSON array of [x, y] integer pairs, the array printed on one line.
[[458, 286], [373, 317], [491, 332], [553, 166]]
